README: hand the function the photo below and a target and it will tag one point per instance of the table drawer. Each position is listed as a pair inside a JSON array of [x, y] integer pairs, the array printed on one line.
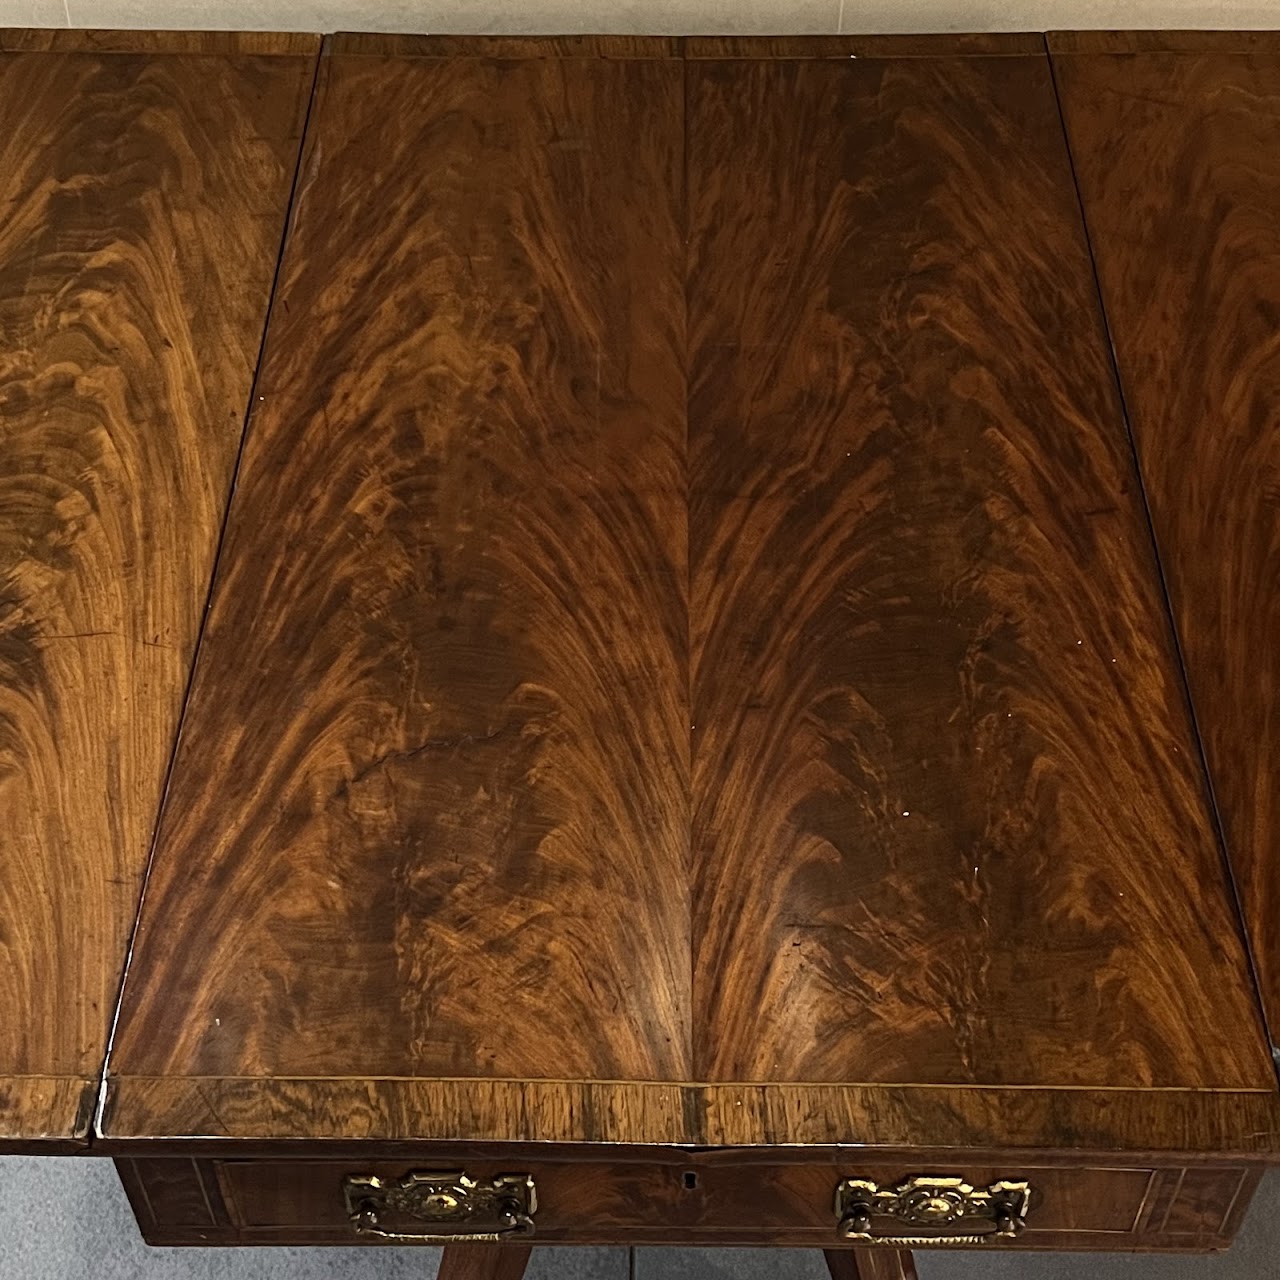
[[709, 1199]]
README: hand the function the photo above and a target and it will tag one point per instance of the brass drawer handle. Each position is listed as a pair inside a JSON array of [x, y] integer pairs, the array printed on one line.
[[1000, 1211], [453, 1206]]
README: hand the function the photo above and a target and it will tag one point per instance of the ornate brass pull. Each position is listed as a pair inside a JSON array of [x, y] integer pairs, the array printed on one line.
[[453, 1206], [1000, 1211]]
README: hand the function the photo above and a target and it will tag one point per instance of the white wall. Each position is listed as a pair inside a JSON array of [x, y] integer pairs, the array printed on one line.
[[635, 16]]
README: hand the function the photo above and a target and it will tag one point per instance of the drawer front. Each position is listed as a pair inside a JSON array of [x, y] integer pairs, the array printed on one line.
[[700, 1200]]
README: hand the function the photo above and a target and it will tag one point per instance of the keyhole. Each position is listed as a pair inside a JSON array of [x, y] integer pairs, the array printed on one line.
[[690, 1181]]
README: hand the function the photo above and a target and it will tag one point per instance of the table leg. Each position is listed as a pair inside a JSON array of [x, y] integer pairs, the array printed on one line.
[[870, 1264], [483, 1262]]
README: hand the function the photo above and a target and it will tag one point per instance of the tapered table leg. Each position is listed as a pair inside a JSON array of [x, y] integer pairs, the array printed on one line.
[[870, 1264], [484, 1262]]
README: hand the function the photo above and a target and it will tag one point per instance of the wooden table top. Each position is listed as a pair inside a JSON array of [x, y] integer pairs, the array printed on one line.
[[144, 191], [687, 660]]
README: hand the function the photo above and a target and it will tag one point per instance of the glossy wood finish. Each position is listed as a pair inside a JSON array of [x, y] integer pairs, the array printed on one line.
[[689, 1198], [940, 739], [457, 557], [1175, 146], [600, 609], [144, 191]]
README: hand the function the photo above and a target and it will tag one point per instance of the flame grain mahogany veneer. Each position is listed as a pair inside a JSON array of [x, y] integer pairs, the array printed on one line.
[[144, 181], [686, 632], [688, 706], [1181, 184]]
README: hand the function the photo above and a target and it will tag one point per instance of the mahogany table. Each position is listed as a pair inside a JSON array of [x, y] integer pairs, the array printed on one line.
[[615, 640]]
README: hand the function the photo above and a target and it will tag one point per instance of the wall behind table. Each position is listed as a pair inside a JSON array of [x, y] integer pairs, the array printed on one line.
[[640, 16]]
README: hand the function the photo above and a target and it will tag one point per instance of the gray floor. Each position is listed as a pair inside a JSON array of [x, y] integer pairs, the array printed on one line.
[[67, 1219]]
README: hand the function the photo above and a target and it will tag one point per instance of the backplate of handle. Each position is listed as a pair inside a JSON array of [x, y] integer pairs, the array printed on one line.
[[951, 1211], [452, 1207]]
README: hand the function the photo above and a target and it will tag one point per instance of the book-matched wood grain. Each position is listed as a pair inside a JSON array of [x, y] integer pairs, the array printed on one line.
[[941, 744], [144, 194], [688, 666], [428, 814], [1175, 148]]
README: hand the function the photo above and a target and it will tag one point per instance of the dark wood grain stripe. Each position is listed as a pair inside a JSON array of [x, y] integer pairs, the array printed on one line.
[[1193, 42], [394, 45], [1180, 177], [976, 45], [262, 44], [941, 747], [430, 809], [144, 201]]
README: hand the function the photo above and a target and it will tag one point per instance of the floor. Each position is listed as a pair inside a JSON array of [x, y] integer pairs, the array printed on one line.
[[67, 1219]]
